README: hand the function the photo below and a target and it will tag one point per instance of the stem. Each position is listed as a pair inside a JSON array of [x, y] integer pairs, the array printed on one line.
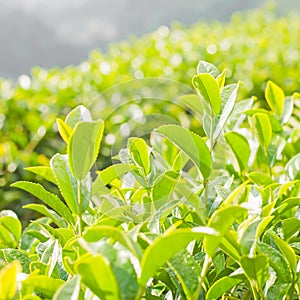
[[205, 267], [140, 293], [267, 159], [211, 138], [79, 207]]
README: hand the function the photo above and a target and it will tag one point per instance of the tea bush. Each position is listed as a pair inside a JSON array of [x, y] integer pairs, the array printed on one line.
[[208, 213], [255, 46]]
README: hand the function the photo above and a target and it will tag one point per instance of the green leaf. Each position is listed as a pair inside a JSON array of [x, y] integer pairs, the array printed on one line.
[[275, 98], [290, 226], [112, 172], [223, 285], [95, 233], [44, 172], [285, 249], [278, 291], [65, 181], [138, 151], [10, 229], [221, 220], [8, 280], [249, 232], [42, 209], [230, 246], [166, 246], [262, 129], [187, 272], [206, 67], [260, 178], [163, 187], [256, 268], [70, 290], [191, 144], [293, 167], [288, 109], [78, 114], [64, 129], [11, 255], [240, 148], [228, 98], [192, 102], [41, 284], [277, 262], [97, 275], [83, 147], [50, 199], [208, 87]]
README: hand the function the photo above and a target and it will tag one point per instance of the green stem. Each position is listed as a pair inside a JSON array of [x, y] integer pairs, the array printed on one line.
[[211, 138], [205, 267], [140, 293], [79, 207]]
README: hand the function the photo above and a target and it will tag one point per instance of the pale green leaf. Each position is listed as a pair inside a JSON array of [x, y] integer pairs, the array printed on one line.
[[43, 171], [109, 174], [48, 198], [191, 144], [166, 246], [97, 275], [275, 98], [208, 87], [240, 147], [138, 151], [70, 290], [83, 147]]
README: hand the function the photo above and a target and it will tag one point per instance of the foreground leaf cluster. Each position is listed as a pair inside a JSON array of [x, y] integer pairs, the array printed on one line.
[[183, 214]]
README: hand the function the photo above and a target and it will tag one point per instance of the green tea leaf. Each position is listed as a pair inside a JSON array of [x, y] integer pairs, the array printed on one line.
[[11, 255], [41, 284], [287, 109], [262, 128], [285, 249], [208, 87], [48, 198], [70, 290], [138, 151], [187, 271], [275, 98], [10, 229], [191, 144], [64, 129], [223, 285], [44, 172], [256, 268], [277, 262], [240, 148], [95, 233], [293, 167], [8, 280], [78, 114], [65, 181], [97, 275], [83, 147], [221, 220], [109, 174], [206, 67], [228, 98], [42, 209], [166, 246]]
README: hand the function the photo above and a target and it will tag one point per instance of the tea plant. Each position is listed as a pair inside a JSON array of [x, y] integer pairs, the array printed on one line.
[[180, 216], [255, 46]]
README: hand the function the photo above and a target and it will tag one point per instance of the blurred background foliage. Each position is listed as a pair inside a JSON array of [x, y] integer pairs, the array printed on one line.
[[122, 86]]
